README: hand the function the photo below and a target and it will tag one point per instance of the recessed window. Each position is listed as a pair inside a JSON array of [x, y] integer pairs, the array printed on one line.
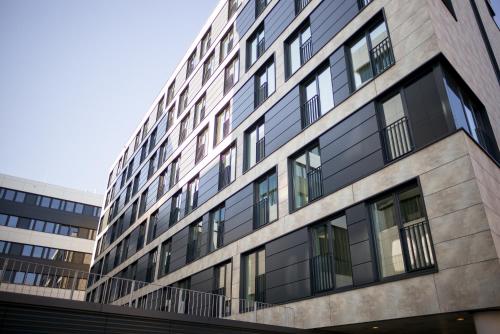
[[183, 100], [166, 251], [298, 49], [260, 6], [208, 68], [264, 83], [192, 195], [232, 7], [254, 144], [300, 5], [184, 129], [199, 111], [223, 284], [163, 152], [194, 241], [266, 200], [170, 117], [307, 183], [175, 212], [206, 41], [402, 232], [222, 124], [216, 228], [370, 55], [231, 74], [227, 172], [159, 108], [202, 144], [191, 63], [174, 171], [317, 96], [254, 276], [171, 92], [226, 44], [331, 256], [256, 45], [153, 165], [145, 129]]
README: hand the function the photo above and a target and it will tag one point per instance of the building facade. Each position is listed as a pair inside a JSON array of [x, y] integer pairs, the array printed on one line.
[[47, 237], [339, 157]]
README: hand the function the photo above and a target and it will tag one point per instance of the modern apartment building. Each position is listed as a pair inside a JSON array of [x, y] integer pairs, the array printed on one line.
[[47, 236], [339, 157]]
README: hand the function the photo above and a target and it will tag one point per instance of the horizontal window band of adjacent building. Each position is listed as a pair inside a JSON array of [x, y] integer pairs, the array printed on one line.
[[357, 247], [43, 280], [47, 227], [361, 5], [447, 92], [335, 57], [49, 202], [46, 253]]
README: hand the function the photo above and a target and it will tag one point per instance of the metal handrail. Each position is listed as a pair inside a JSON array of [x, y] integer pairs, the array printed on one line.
[[310, 111], [306, 51], [314, 183], [381, 56], [418, 243], [397, 139], [57, 282]]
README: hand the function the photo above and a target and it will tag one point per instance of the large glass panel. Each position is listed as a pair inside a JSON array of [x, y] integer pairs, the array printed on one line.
[[341, 252], [251, 148], [300, 181], [387, 236], [471, 120], [360, 62], [12, 221], [325, 90], [27, 249], [250, 274], [270, 79], [3, 219], [378, 34], [456, 105], [393, 109], [320, 240], [273, 197], [294, 55]]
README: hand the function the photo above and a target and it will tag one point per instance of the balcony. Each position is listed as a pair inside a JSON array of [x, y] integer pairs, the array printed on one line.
[[396, 139], [261, 94], [306, 51], [381, 56], [314, 183], [418, 244], [300, 5], [310, 111]]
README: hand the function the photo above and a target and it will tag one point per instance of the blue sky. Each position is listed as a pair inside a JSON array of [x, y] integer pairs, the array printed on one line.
[[76, 77]]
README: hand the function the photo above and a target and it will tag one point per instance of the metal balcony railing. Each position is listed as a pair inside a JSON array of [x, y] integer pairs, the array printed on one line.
[[299, 5], [322, 272], [261, 47], [53, 282], [310, 111], [261, 94], [260, 288], [397, 139], [262, 210], [314, 183], [417, 238], [306, 51], [381, 56]]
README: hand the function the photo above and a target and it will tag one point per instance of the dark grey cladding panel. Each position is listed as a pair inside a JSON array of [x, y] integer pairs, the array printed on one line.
[[329, 18], [132, 243], [296, 272], [179, 249], [287, 257], [239, 215], [246, 18], [203, 281], [38, 212], [163, 218], [288, 292], [143, 177], [238, 232], [188, 156], [351, 150], [277, 20], [152, 194], [110, 263], [362, 254], [209, 183], [340, 76], [426, 114], [243, 103], [239, 196], [288, 241], [142, 267], [282, 121]]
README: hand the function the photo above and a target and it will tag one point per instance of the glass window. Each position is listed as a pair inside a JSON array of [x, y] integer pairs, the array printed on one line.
[[12, 221], [191, 63], [226, 44], [166, 248], [299, 50], [208, 68], [20, 196], [192, 195], [264, 83], [27, 249], [266, 200], [254, 278], [199, 111], [3, 219], [232, 7], [37, 251], [254, 145], [19, 277], [231, 74], [9, 195], [64, 230], [73, 231], [79, 208], [45, 202], [255, 46], [205, 43], [49, 227], [222, 124], [217, 228], [175, 213], [30, 279], [307, 179], [396, 133], [227, 167], [194, 242], [55, 203], [202, 145], [170, 92], [39, 225]]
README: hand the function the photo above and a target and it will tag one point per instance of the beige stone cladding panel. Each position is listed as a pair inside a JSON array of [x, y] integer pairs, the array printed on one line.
[[460, 41]]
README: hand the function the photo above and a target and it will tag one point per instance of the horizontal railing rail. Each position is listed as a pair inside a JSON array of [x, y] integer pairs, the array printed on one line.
[[55, 282]]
